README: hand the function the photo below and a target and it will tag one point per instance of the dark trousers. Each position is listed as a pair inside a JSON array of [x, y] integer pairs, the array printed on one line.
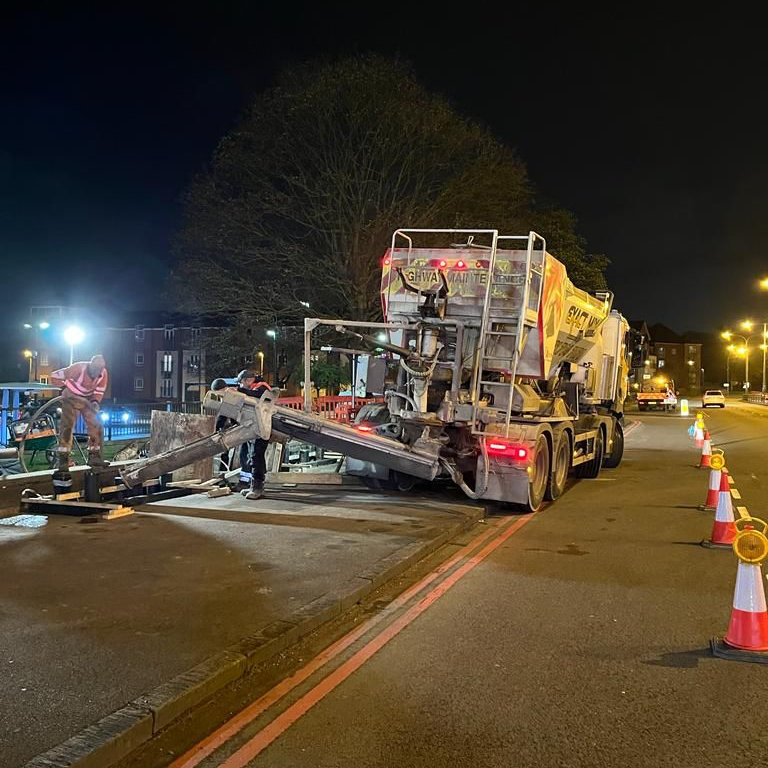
[[258, 461]]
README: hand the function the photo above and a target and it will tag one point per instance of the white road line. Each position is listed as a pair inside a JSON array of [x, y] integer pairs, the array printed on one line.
[[735, 493]]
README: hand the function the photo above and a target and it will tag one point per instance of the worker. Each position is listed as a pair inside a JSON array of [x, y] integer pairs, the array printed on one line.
[[222, 422], [253, 454], [83, 386]]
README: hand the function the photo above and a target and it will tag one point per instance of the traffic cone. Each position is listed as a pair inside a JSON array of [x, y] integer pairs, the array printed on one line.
[[747, 635], [706, 451], [713, 490], [724, 525], [698, 434]]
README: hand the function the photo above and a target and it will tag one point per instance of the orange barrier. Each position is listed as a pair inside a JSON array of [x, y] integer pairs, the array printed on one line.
[[335, 407]]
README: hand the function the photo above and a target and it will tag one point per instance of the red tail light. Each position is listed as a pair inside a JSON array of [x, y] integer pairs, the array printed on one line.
[[386, 261], [363, 427], [510, 450], [461, 264]]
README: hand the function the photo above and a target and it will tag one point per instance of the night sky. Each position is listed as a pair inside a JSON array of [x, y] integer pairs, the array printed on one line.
[[650, 128]]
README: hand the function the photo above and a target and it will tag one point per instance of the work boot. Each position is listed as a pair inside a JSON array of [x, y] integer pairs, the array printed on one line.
[[95, 459], [256, 491]]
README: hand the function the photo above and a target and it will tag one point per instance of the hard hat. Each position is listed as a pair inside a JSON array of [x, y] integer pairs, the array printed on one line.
[[218, 384], [245, 374]]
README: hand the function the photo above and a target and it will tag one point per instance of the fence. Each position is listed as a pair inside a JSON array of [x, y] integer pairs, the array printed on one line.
[[132, 422], [758, 398]]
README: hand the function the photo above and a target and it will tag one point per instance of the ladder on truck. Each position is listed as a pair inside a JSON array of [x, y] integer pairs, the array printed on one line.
[[495, 325]]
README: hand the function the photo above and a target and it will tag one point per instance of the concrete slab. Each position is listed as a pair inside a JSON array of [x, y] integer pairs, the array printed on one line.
[[158, 609]]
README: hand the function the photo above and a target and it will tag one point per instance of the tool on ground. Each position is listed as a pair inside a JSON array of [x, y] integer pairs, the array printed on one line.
[[724, 525], [747, 635]]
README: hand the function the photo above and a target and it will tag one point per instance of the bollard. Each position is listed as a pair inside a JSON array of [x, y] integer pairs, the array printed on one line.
[[684, 408]]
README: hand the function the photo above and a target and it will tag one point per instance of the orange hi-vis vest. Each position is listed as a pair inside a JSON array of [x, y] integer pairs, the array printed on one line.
[[76, 379]]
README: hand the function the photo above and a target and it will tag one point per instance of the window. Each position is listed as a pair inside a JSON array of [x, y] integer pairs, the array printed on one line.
[[194, 337], [166, 388], [193, 363], [139, 358], [167, 362], [169, 332], [44, 359], [139, 333], [661, 350], [673, 351], [43, 379], [138, 383], [661, 363]]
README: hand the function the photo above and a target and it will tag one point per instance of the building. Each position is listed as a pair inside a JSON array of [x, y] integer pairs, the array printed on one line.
[[160, 359], [673, 357]]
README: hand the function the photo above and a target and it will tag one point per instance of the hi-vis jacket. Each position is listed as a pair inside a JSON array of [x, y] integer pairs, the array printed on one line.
[[75, 378]]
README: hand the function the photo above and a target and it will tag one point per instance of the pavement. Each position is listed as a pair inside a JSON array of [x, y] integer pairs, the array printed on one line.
[[111, 630]]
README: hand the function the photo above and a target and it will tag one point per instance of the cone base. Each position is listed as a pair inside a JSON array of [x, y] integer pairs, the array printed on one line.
[[709, 544], [706, 508], [722, 650]]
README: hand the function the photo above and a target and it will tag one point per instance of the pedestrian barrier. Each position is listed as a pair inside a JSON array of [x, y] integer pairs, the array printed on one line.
[[747, 636], [717, 463], [724, 525]]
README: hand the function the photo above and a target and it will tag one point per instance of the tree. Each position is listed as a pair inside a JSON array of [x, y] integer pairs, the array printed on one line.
[[301, 198]]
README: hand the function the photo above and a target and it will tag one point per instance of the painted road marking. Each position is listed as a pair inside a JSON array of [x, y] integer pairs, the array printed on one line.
[[743, 512], [232, 727], [282, 722], [735, 493]]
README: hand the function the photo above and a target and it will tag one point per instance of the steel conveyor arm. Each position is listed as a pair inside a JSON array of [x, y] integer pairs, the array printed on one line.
[[260, 417]]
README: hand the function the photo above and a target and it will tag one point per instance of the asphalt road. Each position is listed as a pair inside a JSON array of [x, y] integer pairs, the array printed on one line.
[[575, 637]]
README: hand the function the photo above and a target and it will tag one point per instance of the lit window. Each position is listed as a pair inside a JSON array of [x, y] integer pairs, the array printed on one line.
[[43, 379], [167, 362], [661, 363]]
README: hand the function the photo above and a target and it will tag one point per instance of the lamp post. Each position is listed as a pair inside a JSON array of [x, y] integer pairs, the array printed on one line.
[[748, 325], [30, 355], [273, 335], [73, 335], [261, 362]]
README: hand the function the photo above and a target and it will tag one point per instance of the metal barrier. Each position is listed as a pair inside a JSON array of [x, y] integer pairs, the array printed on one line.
[[758, 398]]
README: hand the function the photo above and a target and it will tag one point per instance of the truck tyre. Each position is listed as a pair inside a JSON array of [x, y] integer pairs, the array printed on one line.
[[591, 469], [613, 459], [539, 477], [561, 467]]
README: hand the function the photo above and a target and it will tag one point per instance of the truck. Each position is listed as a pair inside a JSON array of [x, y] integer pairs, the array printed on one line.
[[659, 395], [507, 378]]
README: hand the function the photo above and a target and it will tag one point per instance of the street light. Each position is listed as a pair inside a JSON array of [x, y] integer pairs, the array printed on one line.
[[261, 363], [73, 335], [29, 354], [748, 325], [273, 335]]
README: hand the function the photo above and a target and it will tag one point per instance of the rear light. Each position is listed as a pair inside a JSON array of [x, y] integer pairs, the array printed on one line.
[[386, 261], [440, 263], [363, 427], [480, 264], [510, 450], [460, 264]]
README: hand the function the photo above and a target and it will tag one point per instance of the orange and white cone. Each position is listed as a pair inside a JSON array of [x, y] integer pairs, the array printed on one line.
[[698, 434], [748, 627], [747, 635], [713, 490], [724, 526], [706, 451]]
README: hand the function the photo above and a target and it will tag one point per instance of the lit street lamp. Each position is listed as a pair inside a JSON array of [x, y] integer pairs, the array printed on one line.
[[30, 355], [273, 335], [261, 363], [73, 335]]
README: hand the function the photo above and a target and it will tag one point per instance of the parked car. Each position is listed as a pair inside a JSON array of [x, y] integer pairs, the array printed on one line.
[[713, 397]]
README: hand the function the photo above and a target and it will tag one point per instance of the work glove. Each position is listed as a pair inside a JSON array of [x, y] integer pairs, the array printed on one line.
[[95, 405]]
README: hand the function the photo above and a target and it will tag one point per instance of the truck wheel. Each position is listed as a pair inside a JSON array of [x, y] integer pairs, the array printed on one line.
[[613, 459], [591, 469], [537, 484], [561, 466]]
